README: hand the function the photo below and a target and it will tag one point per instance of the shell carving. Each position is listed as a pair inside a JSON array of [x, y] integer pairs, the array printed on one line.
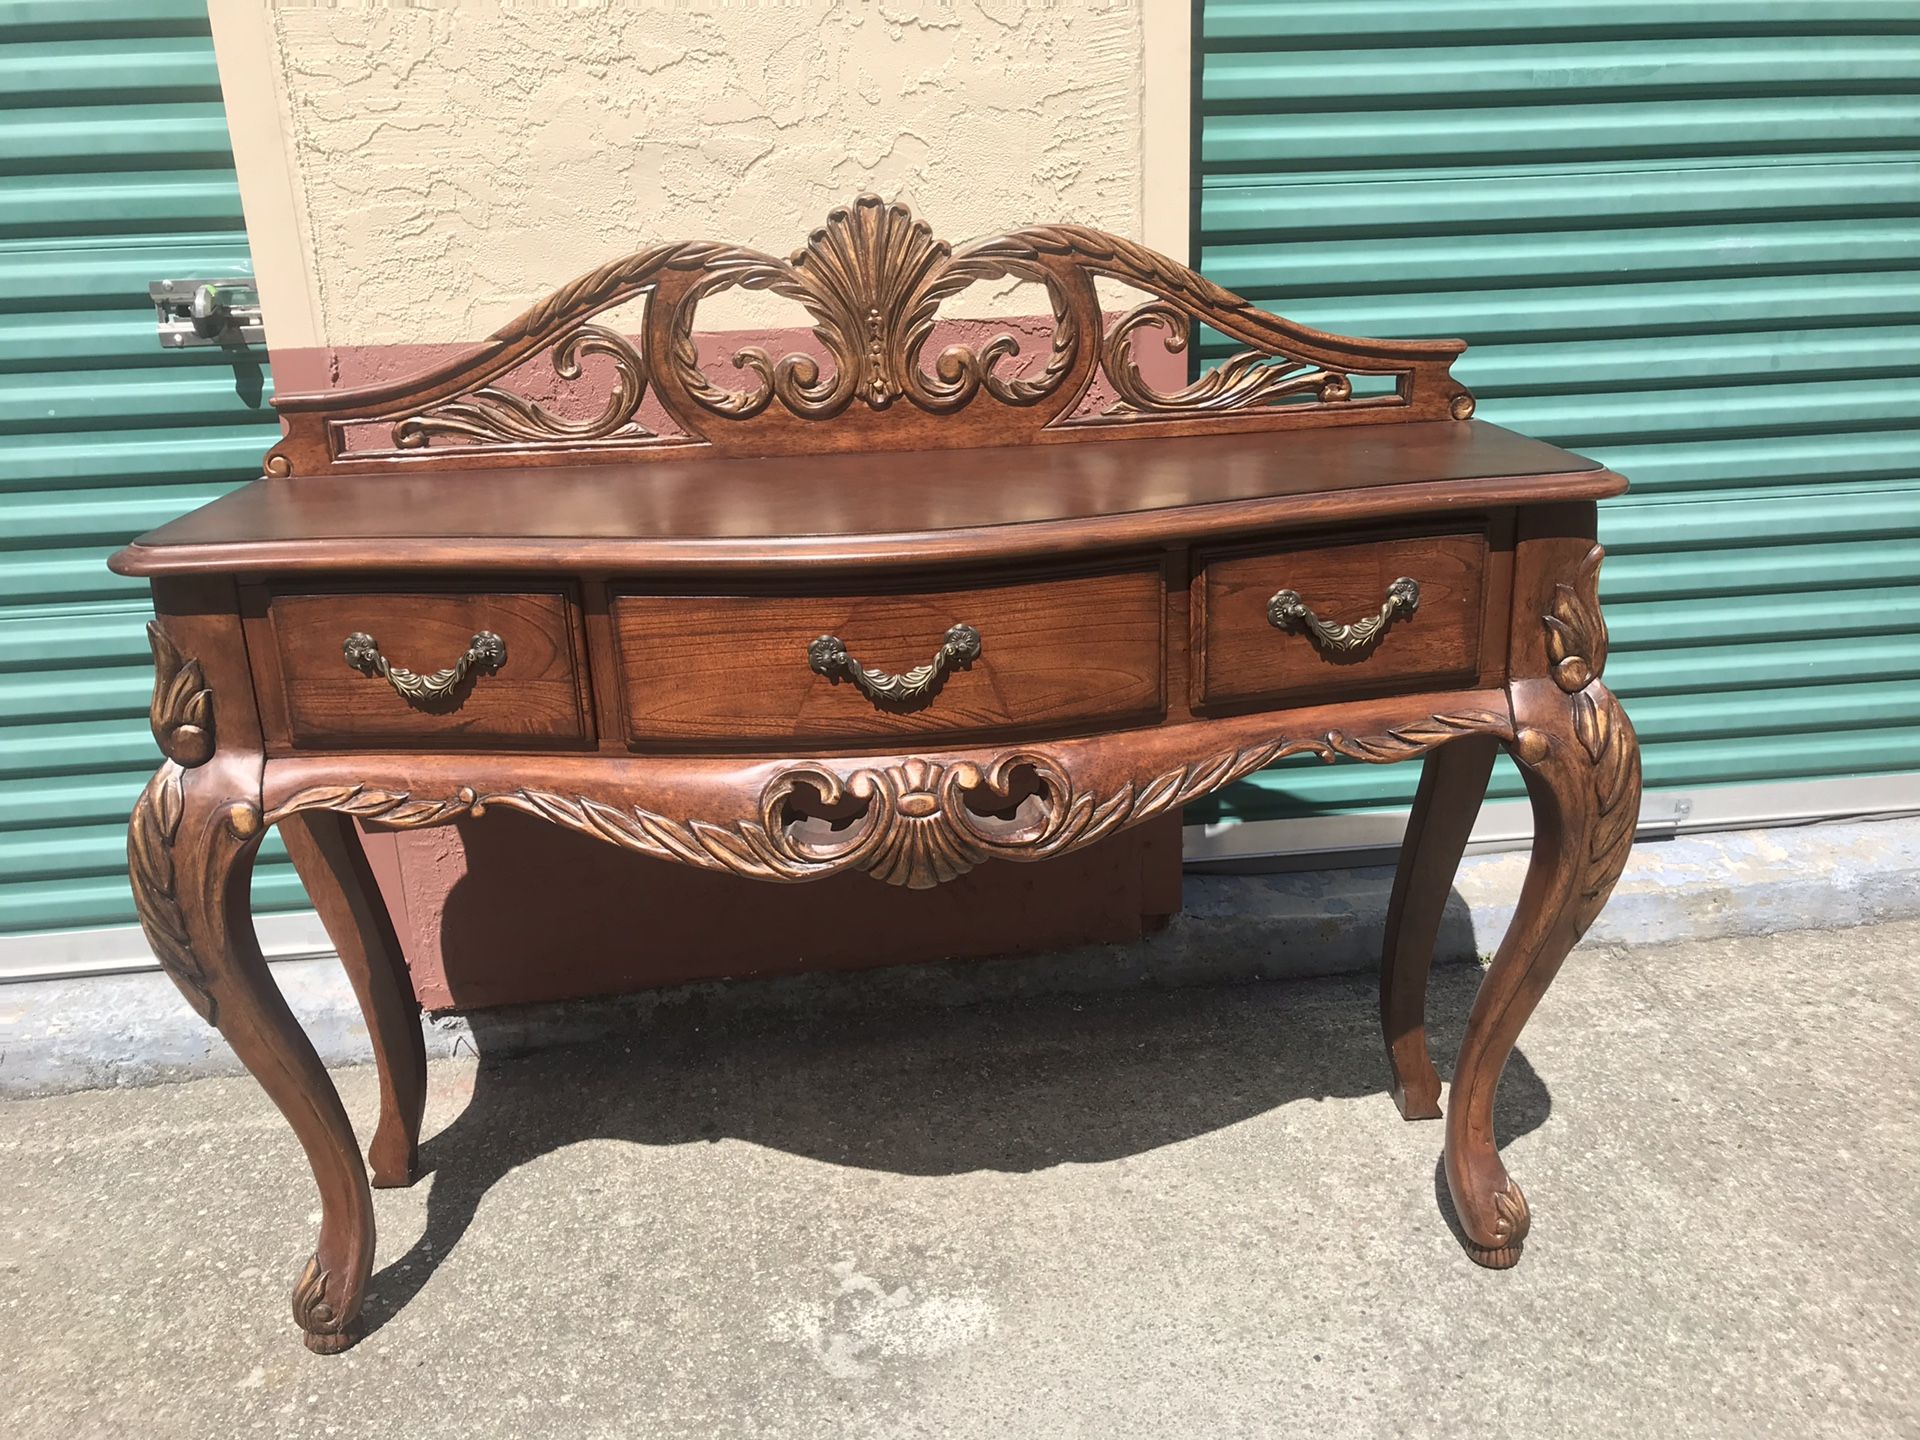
[[918, 828], [859, 274], [917, 823], [873, 279]]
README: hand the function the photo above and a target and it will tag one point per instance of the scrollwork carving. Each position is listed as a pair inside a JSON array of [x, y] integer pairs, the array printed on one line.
[[873, 279], [1240, 382], [492, 415], [961, 372], [918, 829], [921, 822]]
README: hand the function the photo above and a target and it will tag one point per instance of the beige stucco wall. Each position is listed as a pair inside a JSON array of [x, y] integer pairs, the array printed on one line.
[[421, 174]]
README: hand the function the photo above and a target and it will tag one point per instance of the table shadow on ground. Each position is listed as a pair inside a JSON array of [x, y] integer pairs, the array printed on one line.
[[1013, 1085]]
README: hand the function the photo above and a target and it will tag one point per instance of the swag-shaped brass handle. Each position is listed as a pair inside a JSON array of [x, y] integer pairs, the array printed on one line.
[[487, 650], [827, 656], [1287, 611]]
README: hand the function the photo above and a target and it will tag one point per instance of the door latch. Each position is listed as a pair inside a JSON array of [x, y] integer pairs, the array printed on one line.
[[206, 312]]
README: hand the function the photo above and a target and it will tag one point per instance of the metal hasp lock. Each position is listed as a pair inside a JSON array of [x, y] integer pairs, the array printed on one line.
[[206, 312]]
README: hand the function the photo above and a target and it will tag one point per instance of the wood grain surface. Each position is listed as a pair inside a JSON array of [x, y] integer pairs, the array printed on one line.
[[730, 671], [882, 502], [313, 697], [1241, 657], [883, 509]]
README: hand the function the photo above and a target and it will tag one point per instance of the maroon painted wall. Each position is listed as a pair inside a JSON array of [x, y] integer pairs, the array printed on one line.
[[599, 920]]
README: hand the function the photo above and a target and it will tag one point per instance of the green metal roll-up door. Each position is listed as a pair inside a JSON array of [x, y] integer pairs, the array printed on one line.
[[1683, 238], [115, 170]]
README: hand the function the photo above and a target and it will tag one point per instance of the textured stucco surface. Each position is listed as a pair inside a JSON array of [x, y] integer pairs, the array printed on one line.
[[456, 165]]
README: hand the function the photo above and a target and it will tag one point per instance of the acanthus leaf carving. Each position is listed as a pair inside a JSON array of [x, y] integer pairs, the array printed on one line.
[[151, 832], [181, 712], [920, 822], [1511, 1221], [493, 415], [607, 285], [1242, 381], [320, 1319], [1613, 758], [960, 371], [1576, 647], [873, 279], [312, 1311], [1576, 627]]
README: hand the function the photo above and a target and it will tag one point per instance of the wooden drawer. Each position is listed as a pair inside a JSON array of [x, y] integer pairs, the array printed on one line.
[[314, 695], [1241, 657], [1055, 654]]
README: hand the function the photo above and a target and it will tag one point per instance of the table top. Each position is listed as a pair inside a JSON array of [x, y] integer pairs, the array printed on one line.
[[870, 508]]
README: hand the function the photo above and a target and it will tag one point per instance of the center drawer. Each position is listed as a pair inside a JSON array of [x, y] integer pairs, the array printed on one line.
[[1054, 653]]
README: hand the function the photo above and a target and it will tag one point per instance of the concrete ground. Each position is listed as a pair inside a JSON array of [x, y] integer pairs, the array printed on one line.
[[1161, 1213]]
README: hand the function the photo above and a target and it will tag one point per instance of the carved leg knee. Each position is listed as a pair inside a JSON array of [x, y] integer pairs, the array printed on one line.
[[191, 845], [1582, 767]]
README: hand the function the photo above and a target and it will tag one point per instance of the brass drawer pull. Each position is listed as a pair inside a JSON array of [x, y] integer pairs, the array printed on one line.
[[827, 656], [1287, 611], [488, 651]]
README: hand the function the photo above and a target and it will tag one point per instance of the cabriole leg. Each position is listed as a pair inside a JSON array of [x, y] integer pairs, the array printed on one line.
[[333, 866], [1582, 767], [191, 845], [1453, 782]]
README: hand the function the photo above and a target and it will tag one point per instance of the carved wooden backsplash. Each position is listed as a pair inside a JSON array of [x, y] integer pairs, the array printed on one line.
[[873, 279]]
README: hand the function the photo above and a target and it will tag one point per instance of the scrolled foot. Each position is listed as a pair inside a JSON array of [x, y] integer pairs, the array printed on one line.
[[322, 1325], [1510, 1224]]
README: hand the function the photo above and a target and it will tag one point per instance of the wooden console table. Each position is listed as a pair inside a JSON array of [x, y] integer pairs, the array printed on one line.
[[868, 609]]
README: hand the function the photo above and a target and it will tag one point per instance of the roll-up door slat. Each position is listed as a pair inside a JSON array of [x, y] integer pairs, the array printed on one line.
[[115, 170], [1684, 240]]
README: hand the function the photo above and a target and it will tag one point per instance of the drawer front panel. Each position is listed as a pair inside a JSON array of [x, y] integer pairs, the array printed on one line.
[[1242, 657], [1055, 654], [536, 695]]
